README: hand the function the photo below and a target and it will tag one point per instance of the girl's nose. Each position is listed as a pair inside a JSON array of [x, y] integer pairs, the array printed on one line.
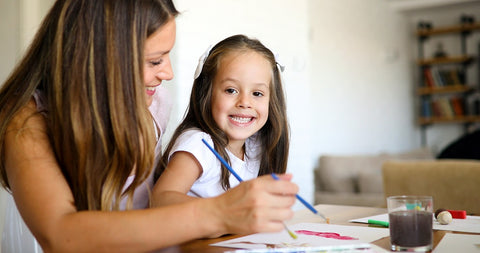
[[244, 101]]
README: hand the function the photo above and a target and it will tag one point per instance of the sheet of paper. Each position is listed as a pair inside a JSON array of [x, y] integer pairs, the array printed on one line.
[[319, 236], [469, 225], [374, 249], [458, 243]]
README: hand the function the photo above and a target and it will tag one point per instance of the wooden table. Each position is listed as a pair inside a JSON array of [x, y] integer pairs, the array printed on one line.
[[338, 214]]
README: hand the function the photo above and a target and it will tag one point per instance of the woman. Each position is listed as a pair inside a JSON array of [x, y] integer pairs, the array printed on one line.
[[79, 128]]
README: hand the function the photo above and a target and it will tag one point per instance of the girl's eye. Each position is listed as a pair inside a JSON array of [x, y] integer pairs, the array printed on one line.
[[231, 91], [257, 94]]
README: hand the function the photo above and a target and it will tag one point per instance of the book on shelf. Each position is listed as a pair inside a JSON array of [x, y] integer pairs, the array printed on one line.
[[439, 82], [443, 107], [437, 110], [446, 108], [457, 106], [427, 108], [427, 73], [455, 77], [436, 77]]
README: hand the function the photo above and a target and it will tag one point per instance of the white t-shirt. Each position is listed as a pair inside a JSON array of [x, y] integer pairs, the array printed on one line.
[[209, 182]]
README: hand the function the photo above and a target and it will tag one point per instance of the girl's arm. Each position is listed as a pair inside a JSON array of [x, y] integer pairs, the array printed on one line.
[[45, 202], [177, 179]]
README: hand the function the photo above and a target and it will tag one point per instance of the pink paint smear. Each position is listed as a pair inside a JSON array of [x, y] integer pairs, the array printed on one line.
[[325, 235]]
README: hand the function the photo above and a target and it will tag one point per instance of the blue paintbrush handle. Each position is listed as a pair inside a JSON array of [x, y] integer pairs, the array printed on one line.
[[220, 158], [223, 161], [291, 233], [304, 202]]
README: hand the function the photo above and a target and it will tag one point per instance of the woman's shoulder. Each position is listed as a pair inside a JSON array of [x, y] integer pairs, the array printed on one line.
[[27, 117]]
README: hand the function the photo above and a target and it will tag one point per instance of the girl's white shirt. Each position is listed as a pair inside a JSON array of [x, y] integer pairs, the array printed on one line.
[[209, 182], [16, 236]]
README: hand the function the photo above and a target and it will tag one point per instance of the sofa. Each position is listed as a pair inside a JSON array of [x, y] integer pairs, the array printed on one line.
[[356, 179], [453, 183]]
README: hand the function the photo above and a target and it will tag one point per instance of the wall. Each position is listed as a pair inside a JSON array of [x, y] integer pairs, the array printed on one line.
[[9, 52], [361, 78], [10, 44]]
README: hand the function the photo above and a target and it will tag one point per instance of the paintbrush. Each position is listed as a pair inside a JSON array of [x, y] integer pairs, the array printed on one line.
[[220, 158], [305, 203]]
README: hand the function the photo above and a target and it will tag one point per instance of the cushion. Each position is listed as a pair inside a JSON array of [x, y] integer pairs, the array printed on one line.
[[336, 173], [370, 182]]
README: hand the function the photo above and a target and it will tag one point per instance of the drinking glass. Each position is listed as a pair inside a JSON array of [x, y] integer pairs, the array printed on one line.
[[411, 221]]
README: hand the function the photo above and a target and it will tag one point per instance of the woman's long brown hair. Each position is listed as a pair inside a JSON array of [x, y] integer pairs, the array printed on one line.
[[273, 136], [87, 60]]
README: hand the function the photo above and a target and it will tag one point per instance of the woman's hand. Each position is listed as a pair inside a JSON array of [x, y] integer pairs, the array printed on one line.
[[258, 205]]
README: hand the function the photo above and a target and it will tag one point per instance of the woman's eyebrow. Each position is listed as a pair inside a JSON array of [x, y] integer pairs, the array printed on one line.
[[157, 53]]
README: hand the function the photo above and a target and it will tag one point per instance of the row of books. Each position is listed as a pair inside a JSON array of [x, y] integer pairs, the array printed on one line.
[[443, 107], [436, 77]]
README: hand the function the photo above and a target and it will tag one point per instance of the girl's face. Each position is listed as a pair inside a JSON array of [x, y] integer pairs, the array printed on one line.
[[157, 58], [241, 94]]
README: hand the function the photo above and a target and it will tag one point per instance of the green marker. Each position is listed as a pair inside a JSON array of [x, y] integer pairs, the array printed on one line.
[[379, 223]]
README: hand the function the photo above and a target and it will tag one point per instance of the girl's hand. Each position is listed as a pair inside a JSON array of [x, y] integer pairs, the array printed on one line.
[[258, 205]]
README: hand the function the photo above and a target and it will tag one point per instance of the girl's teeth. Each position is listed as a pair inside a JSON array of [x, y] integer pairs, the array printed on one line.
[[150, 88], [241, 119]]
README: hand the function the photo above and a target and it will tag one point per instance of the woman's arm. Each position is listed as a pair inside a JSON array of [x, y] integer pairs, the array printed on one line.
[[45, 202], [172, 186]]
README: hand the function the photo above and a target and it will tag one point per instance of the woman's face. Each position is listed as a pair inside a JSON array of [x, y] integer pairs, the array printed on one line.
[[157, 58]]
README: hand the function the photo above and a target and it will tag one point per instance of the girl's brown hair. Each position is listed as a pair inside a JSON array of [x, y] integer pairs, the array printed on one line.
[[273, 136], [87, 61]]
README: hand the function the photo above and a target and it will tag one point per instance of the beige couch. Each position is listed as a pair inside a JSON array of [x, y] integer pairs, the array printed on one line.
[[356, 180], [453, 184]]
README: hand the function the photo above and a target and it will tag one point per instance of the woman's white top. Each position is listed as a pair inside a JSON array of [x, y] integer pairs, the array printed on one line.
[[17, 237], [209, 182]]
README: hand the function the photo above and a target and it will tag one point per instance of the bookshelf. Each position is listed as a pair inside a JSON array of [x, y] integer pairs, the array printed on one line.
[[444, 89]]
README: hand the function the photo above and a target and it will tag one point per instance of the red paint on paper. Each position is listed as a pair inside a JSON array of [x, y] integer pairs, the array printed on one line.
[[326, 235]]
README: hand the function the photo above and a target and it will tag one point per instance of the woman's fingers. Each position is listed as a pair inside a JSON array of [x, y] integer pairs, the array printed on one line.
[[258, 205], [282, 186]]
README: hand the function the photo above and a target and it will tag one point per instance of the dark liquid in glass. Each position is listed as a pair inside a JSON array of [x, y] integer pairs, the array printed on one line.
[[411, 228]]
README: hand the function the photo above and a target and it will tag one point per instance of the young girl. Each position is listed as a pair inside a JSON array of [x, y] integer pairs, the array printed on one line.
[[80, 123], [237, 105]]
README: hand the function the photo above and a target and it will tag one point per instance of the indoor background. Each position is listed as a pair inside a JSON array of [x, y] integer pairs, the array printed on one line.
[[350, 72]]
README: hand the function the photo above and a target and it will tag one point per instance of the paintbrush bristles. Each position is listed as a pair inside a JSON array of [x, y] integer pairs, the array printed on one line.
[[291, 233]]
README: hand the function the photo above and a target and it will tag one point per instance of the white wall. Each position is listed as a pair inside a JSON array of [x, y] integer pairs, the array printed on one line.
[[10, 38], [361, 78], [9, 42]]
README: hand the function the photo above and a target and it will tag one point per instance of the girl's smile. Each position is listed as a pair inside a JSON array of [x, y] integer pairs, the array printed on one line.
[[241, 120]]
